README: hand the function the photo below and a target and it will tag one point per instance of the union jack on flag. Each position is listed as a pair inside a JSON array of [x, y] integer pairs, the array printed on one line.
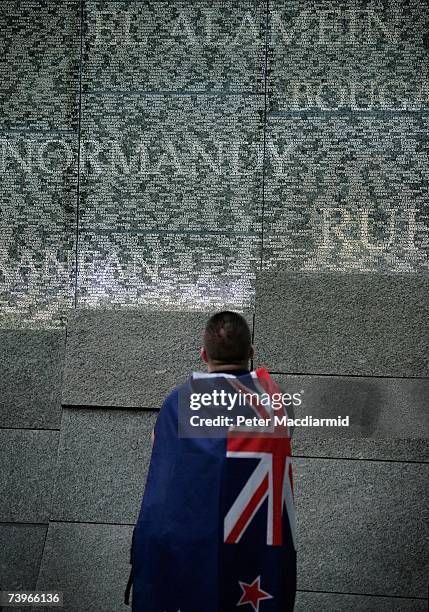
[[271, 479]]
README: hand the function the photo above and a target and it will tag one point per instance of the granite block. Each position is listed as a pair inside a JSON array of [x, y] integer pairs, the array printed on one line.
[[129, 359], [40, 64], [337, 602], [30, 384], [102, 465], [389, 417], [89, 563], [175, 45], [27, 460], [362, 527], [341, 194], [343, 323], [21, 549]]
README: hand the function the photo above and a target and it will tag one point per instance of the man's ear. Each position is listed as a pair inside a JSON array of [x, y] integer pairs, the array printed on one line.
[[203, 355], [252, 352]]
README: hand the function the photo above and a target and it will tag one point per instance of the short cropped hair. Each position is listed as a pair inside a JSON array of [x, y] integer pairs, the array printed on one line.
[[227, 338]]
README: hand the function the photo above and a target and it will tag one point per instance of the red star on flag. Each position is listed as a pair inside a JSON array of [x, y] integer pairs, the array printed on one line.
[[253, 594]]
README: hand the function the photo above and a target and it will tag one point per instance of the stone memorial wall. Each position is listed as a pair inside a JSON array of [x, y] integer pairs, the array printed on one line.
[[161, 160]]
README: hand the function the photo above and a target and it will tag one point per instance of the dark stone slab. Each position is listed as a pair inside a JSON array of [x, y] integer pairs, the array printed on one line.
[[21, 549], [331, 56], [40, 64], [362, 527], [175, 46], [102, 465], [340, 193], [129, 359], [332, 323], [189, 164], [37, 228], [336, 602], [31, 362], [389, 418], [160, 270], [27, 462], [96, 556]]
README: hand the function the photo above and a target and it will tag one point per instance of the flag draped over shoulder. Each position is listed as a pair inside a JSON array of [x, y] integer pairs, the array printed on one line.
[[216, 529]]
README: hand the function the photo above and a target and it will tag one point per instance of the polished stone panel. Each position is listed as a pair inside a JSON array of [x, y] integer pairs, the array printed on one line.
[[336, 323], [334, 56], [175, 45], [37, 228], [31, 363], [341, 193], [40, 61], [172, 163], [96, 556], [362, 526], [27, 469], [21, 549], [102, 465], [167, 270]]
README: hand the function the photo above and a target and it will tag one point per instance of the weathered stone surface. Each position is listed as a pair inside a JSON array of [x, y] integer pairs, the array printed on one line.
[[31, 363], [102, 465], [27, 465], [20, 555], [337, 323], [130, 359], [96, 556], [389, 417], [362, 527], [336, 602]]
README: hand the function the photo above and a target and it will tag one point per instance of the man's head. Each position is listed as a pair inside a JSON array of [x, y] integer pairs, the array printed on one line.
[[227, 342]]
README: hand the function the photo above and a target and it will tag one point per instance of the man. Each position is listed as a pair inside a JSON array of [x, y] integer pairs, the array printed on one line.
[[215, 531]]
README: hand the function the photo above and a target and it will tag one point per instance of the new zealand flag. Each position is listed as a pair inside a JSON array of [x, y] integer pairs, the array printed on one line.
[[216, 529]]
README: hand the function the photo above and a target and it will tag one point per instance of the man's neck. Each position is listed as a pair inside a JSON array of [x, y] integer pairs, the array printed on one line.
[[227, 367]]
